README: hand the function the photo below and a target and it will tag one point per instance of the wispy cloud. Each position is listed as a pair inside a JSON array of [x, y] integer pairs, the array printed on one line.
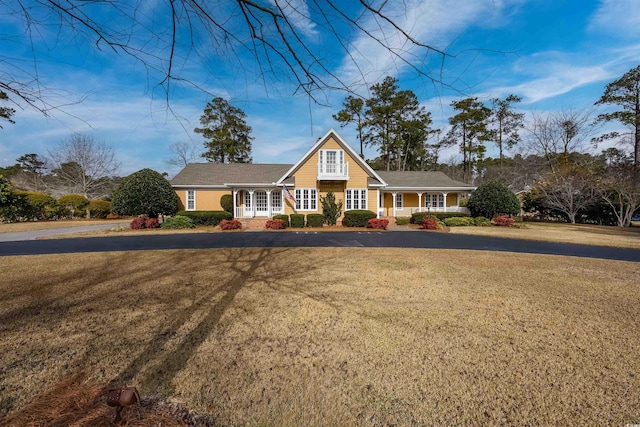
[[297, 13], [434, 22], [620, 17]]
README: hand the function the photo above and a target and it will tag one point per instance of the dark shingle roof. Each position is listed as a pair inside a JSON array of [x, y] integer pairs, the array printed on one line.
[[234, 173], [418, 179]]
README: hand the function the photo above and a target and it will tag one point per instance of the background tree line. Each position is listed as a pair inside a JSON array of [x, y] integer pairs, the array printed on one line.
[[553, 165]]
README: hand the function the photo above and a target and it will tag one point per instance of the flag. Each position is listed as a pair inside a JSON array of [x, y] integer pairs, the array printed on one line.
[[288, 194]]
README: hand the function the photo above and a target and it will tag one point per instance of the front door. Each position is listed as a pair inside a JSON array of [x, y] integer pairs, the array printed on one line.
[[261, 203]]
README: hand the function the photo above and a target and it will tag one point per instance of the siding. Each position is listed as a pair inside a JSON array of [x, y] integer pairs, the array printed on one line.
[[206, 199]]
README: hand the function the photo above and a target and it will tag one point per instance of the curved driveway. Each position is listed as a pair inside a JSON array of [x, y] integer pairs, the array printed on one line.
[[389, 239]]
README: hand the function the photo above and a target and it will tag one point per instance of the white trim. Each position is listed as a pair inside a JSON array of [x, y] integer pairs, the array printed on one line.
[[187, 200], [340, 142], [378, 203], [312, 196], [400, 200], [425, 189], [363, 204], [217, 187]]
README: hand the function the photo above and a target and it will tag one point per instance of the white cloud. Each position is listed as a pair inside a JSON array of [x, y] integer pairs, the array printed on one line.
[[434, 22], [620, 17], [297, 13]]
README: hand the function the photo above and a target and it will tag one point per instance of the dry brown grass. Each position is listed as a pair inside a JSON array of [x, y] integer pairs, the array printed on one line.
[[46, 225], [563, 233], [333, 336]]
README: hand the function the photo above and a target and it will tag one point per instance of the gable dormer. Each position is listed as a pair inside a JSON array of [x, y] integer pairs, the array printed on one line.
[[332, 165]]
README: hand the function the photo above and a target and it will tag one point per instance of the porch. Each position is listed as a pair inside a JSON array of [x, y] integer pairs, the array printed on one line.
[[406, 203], [252, 203]]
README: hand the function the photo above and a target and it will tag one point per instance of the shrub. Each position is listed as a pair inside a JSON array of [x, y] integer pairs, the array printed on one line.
[[114, 216], [316, 220], [357, 218], [459, 221], [417, 217], [145, 192], [212, 218], [177, 222], [429, 224], [284, 218], [34, 205], [379, 224], [482, 221], [275, 224], [330, 209], [151, 223], [493, 198], [99, 208], [230, 224], [403, 220], [297, 220], [503, 221], [137, 223], [226, 202], [75, 203]]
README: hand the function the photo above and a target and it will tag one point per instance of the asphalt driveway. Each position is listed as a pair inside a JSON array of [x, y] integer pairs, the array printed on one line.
[[369, 239]]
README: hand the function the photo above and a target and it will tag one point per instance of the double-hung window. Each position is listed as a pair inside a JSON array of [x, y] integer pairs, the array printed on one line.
[[276, 201], [399, 201], [306, 199], [356, 198], [191, 200], [434, 201]]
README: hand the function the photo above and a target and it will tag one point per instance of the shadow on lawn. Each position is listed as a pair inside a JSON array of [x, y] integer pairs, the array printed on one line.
[[92, 305], [254, 265]]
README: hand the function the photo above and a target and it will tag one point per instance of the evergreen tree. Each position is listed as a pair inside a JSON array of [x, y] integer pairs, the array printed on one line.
[[624, 92], [470, 130], [6, 112], [145, 192], [393, 121], [352, 112], [226, 133], [506, 123]]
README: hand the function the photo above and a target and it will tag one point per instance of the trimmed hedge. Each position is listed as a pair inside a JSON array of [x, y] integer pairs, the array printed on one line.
[[417, 217], [284, 218], [177, 222], [315, 220], [99, 208], [297, 220], [357, 218], [206, 217], [403, 220], [459, 221], [482, 221]]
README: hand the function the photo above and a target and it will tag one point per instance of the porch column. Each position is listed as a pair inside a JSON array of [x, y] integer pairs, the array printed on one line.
[[445, 201], [253, 204], [378, 203], [235, 205], [419, 202], [268, 203], [393, 195]]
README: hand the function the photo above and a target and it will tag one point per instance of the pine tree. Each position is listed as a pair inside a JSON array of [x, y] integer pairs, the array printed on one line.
[[226, 133]]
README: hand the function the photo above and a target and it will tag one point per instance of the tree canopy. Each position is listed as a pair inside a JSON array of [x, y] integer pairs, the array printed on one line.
[[145, 192], [227, 135], [625, 93]]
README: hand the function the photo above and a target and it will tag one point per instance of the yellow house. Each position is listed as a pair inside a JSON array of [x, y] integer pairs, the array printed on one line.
[[264, 190]]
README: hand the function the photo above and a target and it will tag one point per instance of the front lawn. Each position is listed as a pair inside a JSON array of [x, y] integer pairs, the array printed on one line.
[[332, 336]]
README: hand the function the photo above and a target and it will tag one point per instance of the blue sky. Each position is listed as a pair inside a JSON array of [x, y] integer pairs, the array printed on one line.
[[555, 54]]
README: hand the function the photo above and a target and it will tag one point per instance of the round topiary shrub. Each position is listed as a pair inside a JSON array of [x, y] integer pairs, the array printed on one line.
[[491, 199], [226, 202], [99, 208], [145, 192]]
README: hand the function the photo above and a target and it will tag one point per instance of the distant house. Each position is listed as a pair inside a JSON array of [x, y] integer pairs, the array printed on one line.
[[258, 190]]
